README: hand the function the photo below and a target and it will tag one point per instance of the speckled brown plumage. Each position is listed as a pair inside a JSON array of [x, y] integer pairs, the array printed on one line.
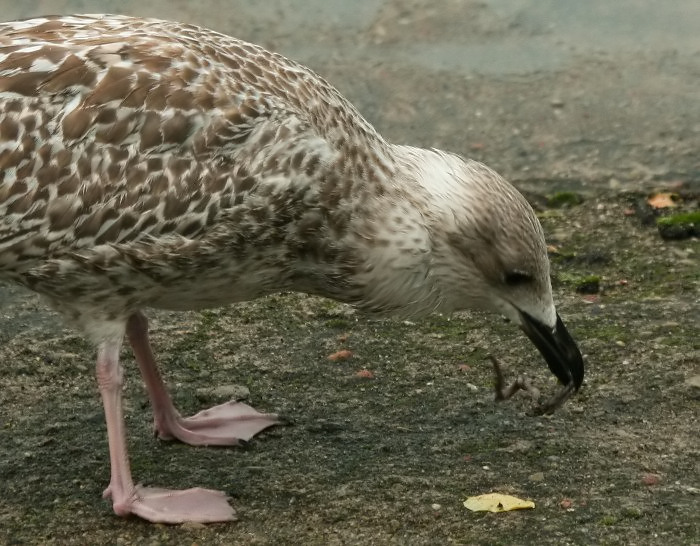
[[146, 163], [128, 147]]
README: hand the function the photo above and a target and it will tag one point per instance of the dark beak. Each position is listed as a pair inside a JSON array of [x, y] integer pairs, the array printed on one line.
[[558, 348]]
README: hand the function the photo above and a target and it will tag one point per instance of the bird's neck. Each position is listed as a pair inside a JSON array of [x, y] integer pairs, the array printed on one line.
[[371, 242]]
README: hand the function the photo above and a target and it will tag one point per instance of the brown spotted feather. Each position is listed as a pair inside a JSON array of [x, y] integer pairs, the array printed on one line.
[[145, 163], [135, 154], [151, 163]]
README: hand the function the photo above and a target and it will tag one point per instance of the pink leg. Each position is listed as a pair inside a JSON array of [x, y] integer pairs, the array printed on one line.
[[156, 505], [226, 424]]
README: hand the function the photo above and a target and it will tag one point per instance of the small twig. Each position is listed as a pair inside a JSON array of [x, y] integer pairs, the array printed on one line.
[[556, 401], [523, 384], [520, 384]]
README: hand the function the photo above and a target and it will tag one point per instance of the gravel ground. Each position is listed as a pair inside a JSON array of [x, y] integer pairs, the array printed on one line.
[[601, 101]]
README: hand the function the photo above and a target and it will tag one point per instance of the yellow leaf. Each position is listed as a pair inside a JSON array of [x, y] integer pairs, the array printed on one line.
[[662, 200], [496, 502]]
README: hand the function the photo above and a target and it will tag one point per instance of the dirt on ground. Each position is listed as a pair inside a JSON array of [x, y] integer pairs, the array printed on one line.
[[383, 447]]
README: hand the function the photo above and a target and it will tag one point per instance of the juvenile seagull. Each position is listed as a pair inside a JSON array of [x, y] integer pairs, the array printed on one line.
[[155, 164]]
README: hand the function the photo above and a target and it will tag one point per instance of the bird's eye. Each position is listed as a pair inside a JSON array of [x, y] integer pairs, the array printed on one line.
[[517, 278]]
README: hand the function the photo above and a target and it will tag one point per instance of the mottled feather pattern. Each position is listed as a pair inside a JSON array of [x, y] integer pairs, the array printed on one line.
[[133, 145], [146, 163], [152, 163]]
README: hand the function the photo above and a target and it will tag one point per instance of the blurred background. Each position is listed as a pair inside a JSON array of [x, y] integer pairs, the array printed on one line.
[[555, 92]]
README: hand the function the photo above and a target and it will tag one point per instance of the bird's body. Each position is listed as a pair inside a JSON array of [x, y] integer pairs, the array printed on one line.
[[155, 164], [165, 157]]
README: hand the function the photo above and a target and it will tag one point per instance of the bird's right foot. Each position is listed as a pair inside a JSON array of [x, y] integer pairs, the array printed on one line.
[[228, 424]]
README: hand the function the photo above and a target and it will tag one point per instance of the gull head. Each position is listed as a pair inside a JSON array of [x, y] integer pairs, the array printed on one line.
[[489, 253]]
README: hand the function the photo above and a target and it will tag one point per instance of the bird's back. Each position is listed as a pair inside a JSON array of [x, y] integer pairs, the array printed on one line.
[[121, 137]]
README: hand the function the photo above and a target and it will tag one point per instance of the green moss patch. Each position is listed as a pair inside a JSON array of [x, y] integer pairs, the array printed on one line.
[[679, 226], [564, 199], [583, 284]]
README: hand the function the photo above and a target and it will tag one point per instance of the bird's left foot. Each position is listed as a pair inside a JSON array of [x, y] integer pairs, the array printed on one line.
[[228, 424], [170, 506]]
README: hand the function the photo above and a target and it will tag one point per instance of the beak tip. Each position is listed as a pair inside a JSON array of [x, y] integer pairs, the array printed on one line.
[[558, 348]]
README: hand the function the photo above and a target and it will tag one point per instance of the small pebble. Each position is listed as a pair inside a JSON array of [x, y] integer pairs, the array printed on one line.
[[651, 479], [223, 392], [693, 381], [192, 525], [519, 446], [343, 354]]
